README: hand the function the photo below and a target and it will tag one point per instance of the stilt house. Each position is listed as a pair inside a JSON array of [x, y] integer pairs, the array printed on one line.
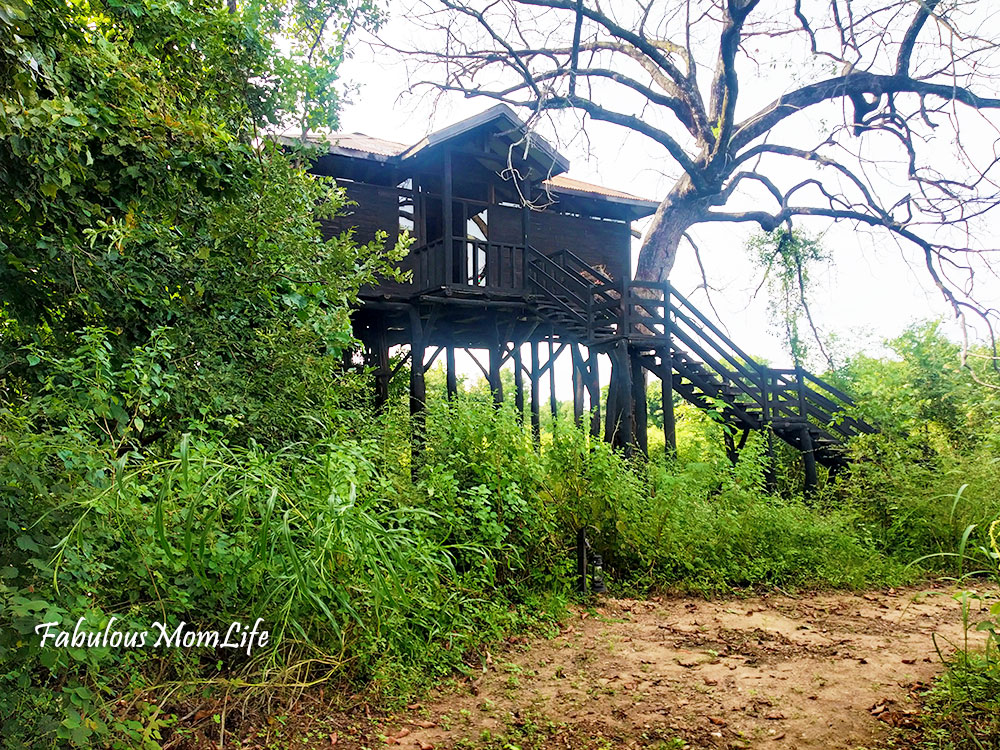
[[510, 253]]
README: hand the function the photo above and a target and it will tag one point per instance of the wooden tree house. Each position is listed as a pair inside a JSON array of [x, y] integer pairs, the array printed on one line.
[[510, 253]]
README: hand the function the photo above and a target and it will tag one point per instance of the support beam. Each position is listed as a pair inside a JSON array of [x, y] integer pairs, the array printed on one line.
[[639, 403], [451, 377], [553, 404], [808, 461], [667, 402], [496, 387], [626, 400], [594, 391], [383, 372], [518, 385], [770, 468], [418, 390], [578, 376], [447, 230], [536, 397]]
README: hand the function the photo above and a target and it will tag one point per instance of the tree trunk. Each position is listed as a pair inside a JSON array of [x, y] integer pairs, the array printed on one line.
[[679, 211]]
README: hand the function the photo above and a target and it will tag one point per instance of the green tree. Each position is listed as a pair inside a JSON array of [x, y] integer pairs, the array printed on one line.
[[139, 197]]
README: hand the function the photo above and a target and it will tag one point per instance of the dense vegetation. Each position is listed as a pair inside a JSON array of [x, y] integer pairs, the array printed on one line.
[[180, 439]]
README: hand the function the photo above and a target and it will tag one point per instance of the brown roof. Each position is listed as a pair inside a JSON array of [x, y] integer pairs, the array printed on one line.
[[561, 182], [364, 144]]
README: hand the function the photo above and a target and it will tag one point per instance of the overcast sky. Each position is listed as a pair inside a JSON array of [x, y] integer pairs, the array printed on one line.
[[869, 292]]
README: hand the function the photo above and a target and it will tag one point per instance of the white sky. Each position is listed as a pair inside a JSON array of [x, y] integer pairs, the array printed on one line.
[[867, 294]]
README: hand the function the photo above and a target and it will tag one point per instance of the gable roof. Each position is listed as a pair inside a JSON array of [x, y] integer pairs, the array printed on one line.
[[547, 161], [550, 160]]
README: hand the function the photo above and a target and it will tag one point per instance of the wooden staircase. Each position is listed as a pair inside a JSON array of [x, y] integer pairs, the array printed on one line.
[[676, 342]]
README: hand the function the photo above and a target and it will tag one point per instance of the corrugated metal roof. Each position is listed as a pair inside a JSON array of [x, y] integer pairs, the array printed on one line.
[[359, 145], [364, 144], [562, 182]]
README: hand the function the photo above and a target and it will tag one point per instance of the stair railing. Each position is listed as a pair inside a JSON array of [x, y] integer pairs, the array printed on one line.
[[584, 293], [814, 398], [656, 309]]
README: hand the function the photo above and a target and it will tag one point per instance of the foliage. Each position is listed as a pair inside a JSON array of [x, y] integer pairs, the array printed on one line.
[[138, 197], [787, 259]]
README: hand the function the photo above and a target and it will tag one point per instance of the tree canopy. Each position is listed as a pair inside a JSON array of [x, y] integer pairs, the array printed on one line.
[[142, 204], [879, 113]]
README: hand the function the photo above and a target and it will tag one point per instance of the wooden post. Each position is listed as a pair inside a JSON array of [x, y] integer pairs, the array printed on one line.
[[418, 389], [626, 400], [639, 404], [536, 398], [577, 385], [553, 404], [808, 460], [770, 468], [496, 355], [667, 399], [518, 384], [451, 258], [618, 425], [383, 373], [594, 389], [526, 211], [451, 379]]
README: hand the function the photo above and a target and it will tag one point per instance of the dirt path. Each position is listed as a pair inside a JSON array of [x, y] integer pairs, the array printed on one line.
[[768, 672]]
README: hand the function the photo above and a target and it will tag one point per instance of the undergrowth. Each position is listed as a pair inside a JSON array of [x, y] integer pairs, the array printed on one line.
[[380, 567]]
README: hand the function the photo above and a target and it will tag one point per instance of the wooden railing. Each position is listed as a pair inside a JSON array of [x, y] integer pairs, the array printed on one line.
[[472, 264], [656, 311], [582, 293]]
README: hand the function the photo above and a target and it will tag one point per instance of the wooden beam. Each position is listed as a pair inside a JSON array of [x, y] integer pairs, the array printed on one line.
[[625, 396], [418, 390], [536, 398], [667, 402], [446, 217], [518, 385], [594, 388], [808, 460], [496, 386], [639, 404], [451, 377], [553, 404], [577, 385]]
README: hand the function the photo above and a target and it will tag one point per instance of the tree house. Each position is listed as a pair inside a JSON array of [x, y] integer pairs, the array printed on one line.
[[510, 253]]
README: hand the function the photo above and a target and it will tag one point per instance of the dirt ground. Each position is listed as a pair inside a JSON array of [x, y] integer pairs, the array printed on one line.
[[806, 672]]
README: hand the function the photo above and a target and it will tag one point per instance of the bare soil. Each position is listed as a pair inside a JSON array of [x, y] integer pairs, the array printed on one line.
[[829, 670]]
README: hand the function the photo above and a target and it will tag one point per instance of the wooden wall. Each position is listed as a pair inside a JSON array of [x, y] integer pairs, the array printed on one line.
[[378, 208], [598, 243]]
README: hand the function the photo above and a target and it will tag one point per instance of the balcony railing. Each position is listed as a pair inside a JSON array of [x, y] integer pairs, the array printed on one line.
[[473, 264]]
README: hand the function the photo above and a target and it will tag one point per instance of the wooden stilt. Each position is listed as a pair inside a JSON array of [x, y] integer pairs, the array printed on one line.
[[594, 394], [639, 403], [418, 390], [496, 357], [626, 401], [451, 377], [518, 384], [618, 422], [577, 385], [553, 404], [667, 402], [383, 372], [536, 396], [770, 468], [808, 461]]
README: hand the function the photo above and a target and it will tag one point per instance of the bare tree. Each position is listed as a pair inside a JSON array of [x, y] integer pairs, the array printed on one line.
[[909, 144]]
